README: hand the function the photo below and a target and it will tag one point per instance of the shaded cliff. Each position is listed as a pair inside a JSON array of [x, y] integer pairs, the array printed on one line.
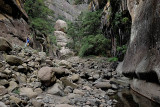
[[13, 21], [142, 60]]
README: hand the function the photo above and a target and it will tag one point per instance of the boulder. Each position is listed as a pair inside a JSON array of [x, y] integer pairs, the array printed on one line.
[[42, 55], [65, 64], [64, 105], [56, 89], [12, 86], [15, 99], [46, 75], [75, 77], [13, 60], [103, 85], [28, 92], [2, 104], [67, 82], [37, 104], [5, 45], [2, 91], [60, 25], [61, 38]]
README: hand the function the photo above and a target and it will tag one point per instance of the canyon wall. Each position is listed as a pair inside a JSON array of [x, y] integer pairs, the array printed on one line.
[[13, 21], [142, 60]]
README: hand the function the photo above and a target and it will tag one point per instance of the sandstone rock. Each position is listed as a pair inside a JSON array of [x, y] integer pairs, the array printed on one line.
[[28, 92], [103, 85], [13, 60], [77, 91], [75, 77], [56, 89], [12, 86], [37, 104], [1, 65], [110, 92], [68, 89], [7, 71], [65, 63], [38, 90], [22, 69], [59, 70], [42, 55], [2, 104], [61, 38], [60, 25], [5, 45], [66, 82], [2, 90], [64, 105], [3, 82], [46, 75], [15, 99]]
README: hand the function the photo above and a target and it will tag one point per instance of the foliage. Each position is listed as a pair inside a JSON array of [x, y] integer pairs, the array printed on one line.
[[113, 59], [40, 15], [122, 48], [94, 45], [87, 36], [16, 91], [53, 39], [78, 2]]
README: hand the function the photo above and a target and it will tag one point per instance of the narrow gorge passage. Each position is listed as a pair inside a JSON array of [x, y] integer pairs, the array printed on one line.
[[79, 53]]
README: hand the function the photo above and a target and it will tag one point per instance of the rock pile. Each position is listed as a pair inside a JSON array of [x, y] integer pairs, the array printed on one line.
[[30, 78], [62, 39]]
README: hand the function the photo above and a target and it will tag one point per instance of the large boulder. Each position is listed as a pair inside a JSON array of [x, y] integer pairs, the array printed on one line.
[[60, 25], [61, 38], [5, 45], [46, 75], [13, 60]]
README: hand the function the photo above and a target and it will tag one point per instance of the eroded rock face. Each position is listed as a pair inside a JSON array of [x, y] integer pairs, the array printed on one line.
[[142, 59], [5, 45], [13, 25]]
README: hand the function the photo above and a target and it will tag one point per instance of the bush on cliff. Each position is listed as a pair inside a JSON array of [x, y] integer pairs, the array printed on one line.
[[39, 15]]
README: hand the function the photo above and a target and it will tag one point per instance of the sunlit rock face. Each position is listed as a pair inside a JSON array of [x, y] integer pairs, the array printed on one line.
[[142, 59], [13, 21]]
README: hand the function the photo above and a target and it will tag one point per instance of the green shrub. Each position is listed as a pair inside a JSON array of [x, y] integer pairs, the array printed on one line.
[[40, 16], [94, 45], [87, 36], [53, 39], [113, 59]]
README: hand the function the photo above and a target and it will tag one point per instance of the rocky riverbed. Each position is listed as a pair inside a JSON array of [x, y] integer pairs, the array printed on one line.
[[31, 79]]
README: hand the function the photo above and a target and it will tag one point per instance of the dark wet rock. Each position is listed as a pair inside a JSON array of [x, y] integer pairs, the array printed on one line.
[[13, 60], [5, 45]]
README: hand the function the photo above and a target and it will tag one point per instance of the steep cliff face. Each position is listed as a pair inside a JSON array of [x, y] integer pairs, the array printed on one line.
[[142, 60], [66, 9], [13, 21]]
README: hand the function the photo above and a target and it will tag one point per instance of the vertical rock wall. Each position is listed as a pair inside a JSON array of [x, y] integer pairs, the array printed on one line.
[[13, 21], [142, 60]]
